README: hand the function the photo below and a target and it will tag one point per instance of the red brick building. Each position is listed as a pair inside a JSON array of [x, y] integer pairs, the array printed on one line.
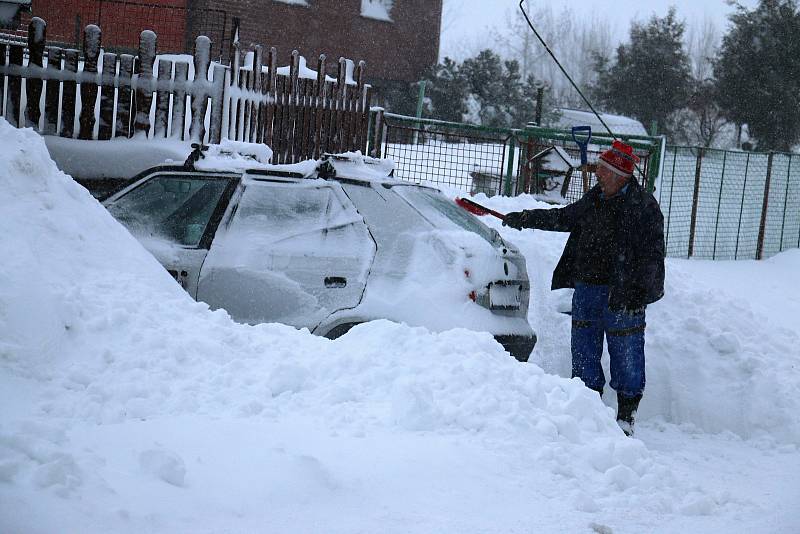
[[398, 39]]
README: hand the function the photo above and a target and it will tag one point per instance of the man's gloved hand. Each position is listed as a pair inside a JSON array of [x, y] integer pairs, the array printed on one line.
[[515, 219], [632, 311]]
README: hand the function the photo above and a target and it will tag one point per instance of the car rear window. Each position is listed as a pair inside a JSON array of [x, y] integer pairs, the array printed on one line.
[[442, 212]]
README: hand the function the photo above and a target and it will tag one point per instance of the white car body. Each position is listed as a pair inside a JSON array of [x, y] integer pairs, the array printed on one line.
[[329, 248]]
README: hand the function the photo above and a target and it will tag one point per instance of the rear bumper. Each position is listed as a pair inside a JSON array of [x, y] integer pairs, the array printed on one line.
[[520, 347]]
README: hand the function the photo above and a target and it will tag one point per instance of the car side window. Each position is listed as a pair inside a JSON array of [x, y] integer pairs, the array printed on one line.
[[176, 208]]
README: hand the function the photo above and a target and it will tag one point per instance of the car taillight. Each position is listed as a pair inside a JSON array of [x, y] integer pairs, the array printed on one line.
[[473, 296]]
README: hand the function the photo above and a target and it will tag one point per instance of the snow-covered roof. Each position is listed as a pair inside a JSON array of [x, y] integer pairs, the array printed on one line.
[[556, 158], [619, 124]]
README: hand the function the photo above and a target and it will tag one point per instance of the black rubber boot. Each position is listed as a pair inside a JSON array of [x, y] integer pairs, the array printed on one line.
[[626, 412]]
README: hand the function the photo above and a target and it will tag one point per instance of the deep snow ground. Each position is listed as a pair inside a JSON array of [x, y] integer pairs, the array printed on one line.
[[126, 407]]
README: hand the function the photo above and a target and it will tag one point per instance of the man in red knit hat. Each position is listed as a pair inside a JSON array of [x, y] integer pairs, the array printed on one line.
[[614, 258]]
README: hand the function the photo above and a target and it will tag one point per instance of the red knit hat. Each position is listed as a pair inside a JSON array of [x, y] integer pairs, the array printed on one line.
[[621, 157]]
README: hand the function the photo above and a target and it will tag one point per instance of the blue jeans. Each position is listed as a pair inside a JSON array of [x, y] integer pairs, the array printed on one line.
[[624, 334]]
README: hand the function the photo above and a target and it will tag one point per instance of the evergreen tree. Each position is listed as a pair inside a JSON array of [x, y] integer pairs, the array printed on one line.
[[758, 73], [487, 84], [483, 90], [651, 75], [445, 92]]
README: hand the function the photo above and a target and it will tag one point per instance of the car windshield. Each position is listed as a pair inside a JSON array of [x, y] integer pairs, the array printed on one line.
[[443, 212]]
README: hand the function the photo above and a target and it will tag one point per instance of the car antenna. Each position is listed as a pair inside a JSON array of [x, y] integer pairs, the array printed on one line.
[[195, 155], [563, 70]]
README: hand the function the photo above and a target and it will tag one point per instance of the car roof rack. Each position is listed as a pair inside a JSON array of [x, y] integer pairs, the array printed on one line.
[[275, 173]]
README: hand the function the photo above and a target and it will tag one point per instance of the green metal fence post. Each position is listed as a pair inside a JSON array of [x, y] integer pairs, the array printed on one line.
[[695, 200], [762, 229], [420, 104], [671, 189], [719, 204], [741, 209], [510, 168], [654, 167], [785, 200]]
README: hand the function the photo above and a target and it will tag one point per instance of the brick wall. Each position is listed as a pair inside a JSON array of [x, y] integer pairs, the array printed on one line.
[[394, 51], [121, 21]]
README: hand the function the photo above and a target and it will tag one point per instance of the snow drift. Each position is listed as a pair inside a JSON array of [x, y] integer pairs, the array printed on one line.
[[94, 331]]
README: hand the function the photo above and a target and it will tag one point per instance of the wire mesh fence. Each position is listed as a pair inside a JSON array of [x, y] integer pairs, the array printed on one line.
[[465, 159], [493, 161], [720, 204]]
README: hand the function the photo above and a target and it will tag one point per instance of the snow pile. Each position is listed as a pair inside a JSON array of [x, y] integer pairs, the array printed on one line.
[[120, 158], [114, 383], [715, 357]]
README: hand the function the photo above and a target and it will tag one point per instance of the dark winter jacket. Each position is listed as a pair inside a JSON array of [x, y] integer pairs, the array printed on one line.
[[635, 249]]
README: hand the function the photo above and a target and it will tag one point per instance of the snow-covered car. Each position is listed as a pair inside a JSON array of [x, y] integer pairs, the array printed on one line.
[[328, 246]]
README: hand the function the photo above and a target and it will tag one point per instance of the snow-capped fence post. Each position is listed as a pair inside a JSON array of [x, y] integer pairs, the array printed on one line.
[[202, 49], [341, 92], [233, 101], [217, 104], [255, 110], [762, 227], [240, 104], [144, 81], [68, 97], [37, 31], [51, 126], [362, 108], [695, 201], [124, 95], [179, 101], [293, 87], [107, 93], [319, 106], [14, 90], [2, 79], [270, 90], [162, 98], [91, 51], [377, 133]]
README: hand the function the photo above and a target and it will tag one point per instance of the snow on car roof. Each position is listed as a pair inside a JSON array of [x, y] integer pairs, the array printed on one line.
[[241, 157]]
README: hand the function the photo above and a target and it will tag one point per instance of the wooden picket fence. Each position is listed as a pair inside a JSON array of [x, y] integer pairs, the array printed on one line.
[[93, 95]]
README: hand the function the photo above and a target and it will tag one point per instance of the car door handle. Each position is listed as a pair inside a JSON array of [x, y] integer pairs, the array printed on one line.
[[335, 281]]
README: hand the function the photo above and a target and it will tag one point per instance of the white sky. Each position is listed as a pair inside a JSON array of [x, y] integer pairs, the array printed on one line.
[[467, 23]]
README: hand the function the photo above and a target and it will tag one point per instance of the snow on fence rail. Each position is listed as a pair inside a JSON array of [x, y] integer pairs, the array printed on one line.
[[98, 95]]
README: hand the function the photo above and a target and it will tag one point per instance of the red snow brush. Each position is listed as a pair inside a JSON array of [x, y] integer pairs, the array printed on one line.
[[477, 209]]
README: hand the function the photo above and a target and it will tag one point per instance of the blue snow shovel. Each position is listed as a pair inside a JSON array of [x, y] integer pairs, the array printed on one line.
[[578, 133]]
